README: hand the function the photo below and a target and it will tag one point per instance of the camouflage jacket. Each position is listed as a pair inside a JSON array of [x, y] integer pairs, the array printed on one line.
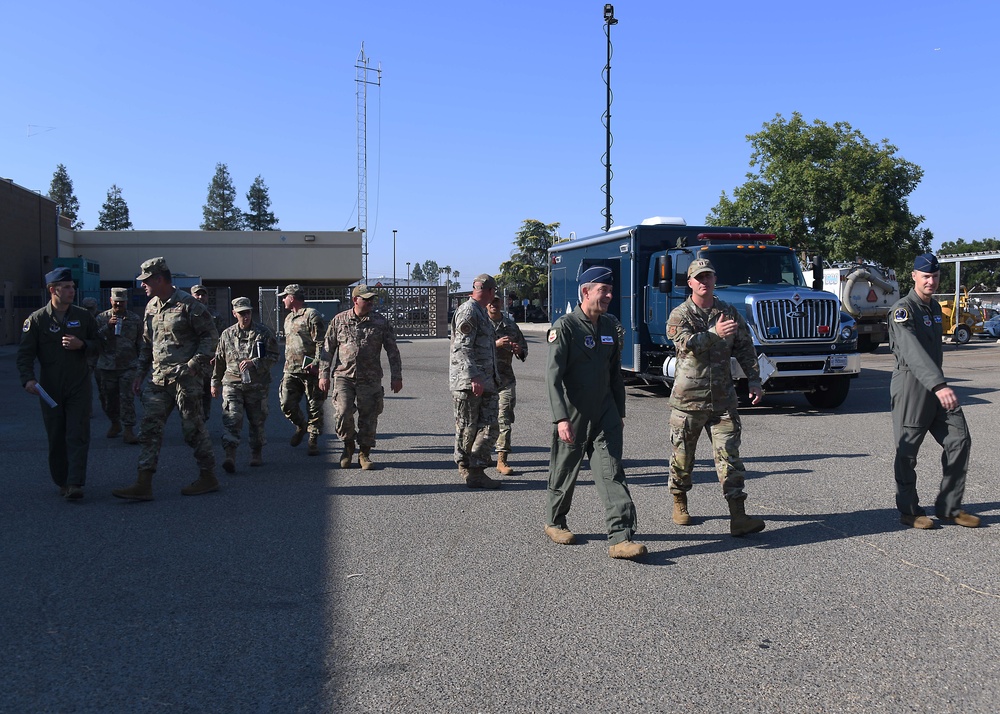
[[303, 338], [505, 355], [177, 332], [352, 348], [703, 378], [257, 344], [119, 352], [473, 349]]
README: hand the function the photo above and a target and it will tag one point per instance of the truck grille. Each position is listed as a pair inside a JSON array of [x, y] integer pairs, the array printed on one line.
[[784, 320]]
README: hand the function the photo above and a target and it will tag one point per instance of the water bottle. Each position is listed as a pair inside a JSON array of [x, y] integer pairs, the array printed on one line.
[[118, 325], [245, 376]]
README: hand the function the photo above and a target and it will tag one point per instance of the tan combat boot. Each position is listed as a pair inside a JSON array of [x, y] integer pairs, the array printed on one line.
[[229, 463], [205, 483], [681, 516], [365, 459], [314, 444], [627, 550], [503, 468], [114, 430], [740, 523], [477, 478], [346, 454], [300, 431], [142, 490], [562, 536], [256, 458], [130, 437]]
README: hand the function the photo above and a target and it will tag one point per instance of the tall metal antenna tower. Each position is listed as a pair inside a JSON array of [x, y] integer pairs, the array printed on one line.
[[363, 78]]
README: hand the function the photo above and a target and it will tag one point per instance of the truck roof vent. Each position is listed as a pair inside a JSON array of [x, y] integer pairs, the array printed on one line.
[[664, 221]]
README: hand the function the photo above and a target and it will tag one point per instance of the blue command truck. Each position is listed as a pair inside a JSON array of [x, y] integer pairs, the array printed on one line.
[[804, 342]]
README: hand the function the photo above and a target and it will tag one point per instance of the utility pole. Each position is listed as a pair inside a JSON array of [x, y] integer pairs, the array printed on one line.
[[609, 20], [363, 79]]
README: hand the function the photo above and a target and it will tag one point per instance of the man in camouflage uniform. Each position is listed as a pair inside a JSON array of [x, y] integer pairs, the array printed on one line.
[[242, 375], [472, 375], [200, 293], [587, 397], [120, 331], [351, 357], [923, 402], [178, 342], [706, 332], [510, 343], [61, 336], [303, 344]]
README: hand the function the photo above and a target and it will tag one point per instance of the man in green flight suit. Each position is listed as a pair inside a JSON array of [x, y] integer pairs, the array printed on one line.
[[61, 336], [587, 397], [922, 401]]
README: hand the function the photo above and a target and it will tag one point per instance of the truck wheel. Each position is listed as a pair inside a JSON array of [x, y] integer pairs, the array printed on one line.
[[963, 334], [831, 393], [867, 343]]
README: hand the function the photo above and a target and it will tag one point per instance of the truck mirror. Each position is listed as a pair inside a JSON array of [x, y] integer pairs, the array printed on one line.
[[662, 273], [817, 273]]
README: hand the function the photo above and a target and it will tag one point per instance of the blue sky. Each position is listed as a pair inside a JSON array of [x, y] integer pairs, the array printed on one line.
[[489, 113]]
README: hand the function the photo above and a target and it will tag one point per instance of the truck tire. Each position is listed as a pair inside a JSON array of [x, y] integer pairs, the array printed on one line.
[[831, 394], [962, 335], [867, 343]]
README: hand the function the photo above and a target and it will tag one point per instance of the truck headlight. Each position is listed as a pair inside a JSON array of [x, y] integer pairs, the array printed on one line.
[[846, 333]]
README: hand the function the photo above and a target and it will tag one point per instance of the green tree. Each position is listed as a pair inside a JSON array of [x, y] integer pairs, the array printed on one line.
[[977, 276], [432, 272], [220, 210], [417, 274], [455, 286], [828, 190], [61, 191], [114, 213], [259, 217], [526, 274]]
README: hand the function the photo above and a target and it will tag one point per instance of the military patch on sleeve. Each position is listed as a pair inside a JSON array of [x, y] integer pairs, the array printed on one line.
[[26, 326], [552, 335], [900, 315], [671, 331], [465, 328]]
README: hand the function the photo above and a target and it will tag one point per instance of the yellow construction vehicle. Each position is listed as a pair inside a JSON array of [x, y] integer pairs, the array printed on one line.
[[970, 320]]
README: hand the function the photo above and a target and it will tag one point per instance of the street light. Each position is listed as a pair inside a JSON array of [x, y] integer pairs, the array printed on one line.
[[407, 273], [609, 20]]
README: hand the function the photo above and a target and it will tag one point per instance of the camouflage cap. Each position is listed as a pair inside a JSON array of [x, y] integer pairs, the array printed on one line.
[[198, 289], [153, 266], [119, 294], [293, 289], [242, 304], [362, 291], [486, 282], [702, 265]]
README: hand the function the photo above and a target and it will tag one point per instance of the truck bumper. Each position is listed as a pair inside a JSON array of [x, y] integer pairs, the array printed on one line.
[[802, 366]]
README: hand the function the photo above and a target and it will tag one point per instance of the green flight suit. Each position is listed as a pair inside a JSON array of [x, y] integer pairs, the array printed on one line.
[[915, 339], [65, 376], [586, 387]]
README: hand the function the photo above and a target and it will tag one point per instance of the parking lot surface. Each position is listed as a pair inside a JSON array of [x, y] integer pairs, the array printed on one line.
[[300, 587]]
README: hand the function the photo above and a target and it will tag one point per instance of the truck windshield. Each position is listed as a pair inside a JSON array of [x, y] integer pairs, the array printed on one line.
[[762, 268]]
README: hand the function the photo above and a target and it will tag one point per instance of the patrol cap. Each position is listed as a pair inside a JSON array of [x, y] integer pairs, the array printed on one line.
[[702, 265], [486, 282], [362, 291], [198, 289], [59, 275], [242, 304], [597, 274], [153, 266], [926, 263], [293, 289], [119, 294]]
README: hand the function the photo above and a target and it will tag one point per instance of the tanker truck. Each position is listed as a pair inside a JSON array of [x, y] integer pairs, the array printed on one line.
[[867, 292]]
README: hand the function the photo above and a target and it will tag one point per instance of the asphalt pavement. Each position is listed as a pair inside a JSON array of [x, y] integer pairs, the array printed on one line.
[[301, 587]]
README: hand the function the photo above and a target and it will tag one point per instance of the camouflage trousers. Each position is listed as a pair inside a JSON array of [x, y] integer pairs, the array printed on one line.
[[476, 428], [367, 400], [507, 400], [724, 429], [157, 403], [239, 399], [117, 399], [293, 388]]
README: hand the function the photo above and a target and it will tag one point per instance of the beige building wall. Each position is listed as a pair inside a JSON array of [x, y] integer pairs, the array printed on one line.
[[278, 257]]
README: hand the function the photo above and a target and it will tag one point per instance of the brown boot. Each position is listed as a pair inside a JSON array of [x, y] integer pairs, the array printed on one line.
[[560, 535], [681, 516], [114, 430], [627, 550], [142, 490], [256, 458], [314, 444], [740, 523], [300, 431], [130, 437], [346, 454], [365, 459], [229, 464], [477, 478], [503, 468], [205, 483]]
